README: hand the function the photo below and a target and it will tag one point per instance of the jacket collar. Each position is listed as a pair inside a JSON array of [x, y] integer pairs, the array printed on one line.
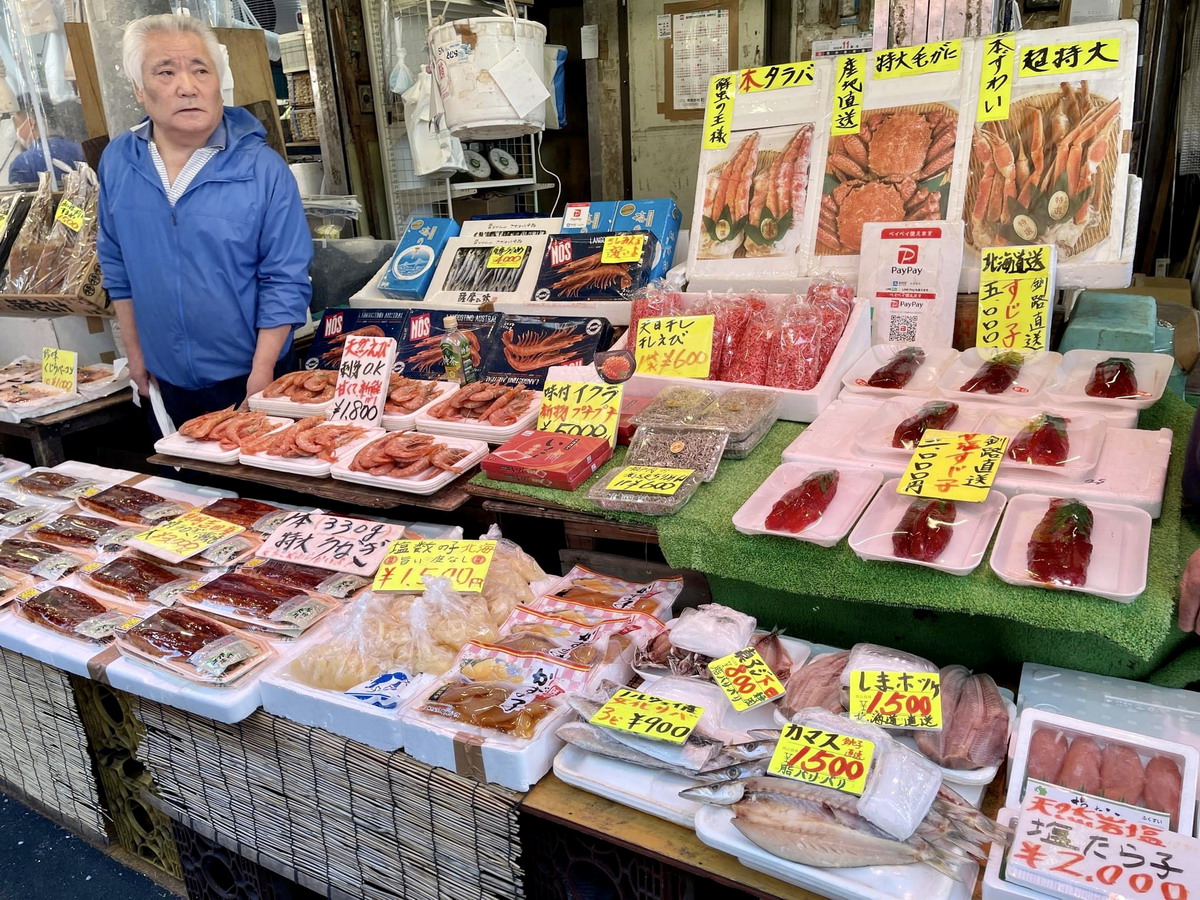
[[218, 140]]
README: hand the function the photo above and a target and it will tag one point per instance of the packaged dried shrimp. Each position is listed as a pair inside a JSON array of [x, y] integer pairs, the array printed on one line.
[[657, 299], [749, 365]]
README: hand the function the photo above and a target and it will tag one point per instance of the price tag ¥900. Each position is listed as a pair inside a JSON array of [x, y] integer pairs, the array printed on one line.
[[648, 716], [897, 699], [746, 679], [823, 758]]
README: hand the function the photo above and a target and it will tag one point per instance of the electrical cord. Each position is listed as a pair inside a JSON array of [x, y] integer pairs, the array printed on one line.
[[542, 166]]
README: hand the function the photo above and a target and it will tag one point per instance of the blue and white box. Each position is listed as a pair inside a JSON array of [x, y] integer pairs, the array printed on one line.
[[411, 268], [660, 217]]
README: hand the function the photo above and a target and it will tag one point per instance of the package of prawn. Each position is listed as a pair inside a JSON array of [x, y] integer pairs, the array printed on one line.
[[582, 585], [604, 266], [419, 351], [529, 345], [342, 322], [1050, 165], [546, 459], [757, 192], [479, 270], [903, 158]]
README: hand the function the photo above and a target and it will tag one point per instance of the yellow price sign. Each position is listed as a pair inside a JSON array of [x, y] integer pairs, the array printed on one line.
[[650, 480], [1067, 59], [953, 465], [1015, 290], [189, 534], [922, 59], [408, 563], [3, 222], [505, 257], [897, 699], [60, 368], [718, 111], [678, 346], [622, 248], [648, 716], [69, 214], [823, 758], [581, 409], [746, 679], [848, 93], [775, 78], [996, 77]]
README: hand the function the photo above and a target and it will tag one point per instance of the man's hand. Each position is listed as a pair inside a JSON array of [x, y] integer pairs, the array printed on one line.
[[1189, 595], [260, 377], [139, 376]]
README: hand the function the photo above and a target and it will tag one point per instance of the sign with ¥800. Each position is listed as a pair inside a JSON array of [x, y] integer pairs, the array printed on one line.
[[581, 409], [678, 346], [746, 679], [897, 699], [648, 716], [823, 758]]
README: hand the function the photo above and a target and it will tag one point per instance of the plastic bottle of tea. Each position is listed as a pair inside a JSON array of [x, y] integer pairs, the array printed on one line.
[[456, 354]]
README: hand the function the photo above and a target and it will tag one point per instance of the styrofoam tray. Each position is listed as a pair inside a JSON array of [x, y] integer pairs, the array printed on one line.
[[876, 438], [855, 489], [973, 527], [12, 468], [1034, 372], [48, 646], [994, 886], [286, 408], [714, 827], [408, 421], [924, 380], [421, 487], [311, 466], [476, 432], [178, 445], [651, 791], [1120, 547], [1085, 439], [104, 478], [1071, 377], [91, 470]]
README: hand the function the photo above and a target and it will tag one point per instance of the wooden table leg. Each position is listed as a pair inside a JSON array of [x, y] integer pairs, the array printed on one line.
[[47, 448]]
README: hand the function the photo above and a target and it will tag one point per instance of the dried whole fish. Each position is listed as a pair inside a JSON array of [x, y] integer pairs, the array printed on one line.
[[817, 683], [975, 727], [604, 742]]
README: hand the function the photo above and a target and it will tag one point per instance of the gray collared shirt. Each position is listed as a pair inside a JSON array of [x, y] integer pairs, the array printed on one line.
[[216, 143]]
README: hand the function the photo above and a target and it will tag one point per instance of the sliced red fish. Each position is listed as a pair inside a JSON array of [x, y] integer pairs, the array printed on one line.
[[898, 370], [996, 375], [1042, 442], [925, 529], [1061, 549], [805, 503], [936, 414], [1113, 379]]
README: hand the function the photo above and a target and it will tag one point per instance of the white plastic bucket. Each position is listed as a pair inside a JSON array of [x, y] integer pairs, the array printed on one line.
[[463, 52]]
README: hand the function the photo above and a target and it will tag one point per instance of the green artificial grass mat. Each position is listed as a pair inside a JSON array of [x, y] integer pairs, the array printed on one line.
[[784, 578]]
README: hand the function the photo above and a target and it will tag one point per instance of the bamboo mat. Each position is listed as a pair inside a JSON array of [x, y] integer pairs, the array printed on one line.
[[334, 815], [44, 756]]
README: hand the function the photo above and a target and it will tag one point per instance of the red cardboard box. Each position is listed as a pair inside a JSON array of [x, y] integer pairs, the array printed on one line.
[[630, 407], [546, 459]]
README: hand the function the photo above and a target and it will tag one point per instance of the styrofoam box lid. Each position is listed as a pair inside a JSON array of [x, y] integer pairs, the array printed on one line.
[[1071, 377], [924, 380], [1187, 757], [11, 468], [855, 489], [995, 887]]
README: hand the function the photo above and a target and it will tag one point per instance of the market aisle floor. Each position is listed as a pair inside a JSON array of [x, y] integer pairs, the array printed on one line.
[[41, 861]]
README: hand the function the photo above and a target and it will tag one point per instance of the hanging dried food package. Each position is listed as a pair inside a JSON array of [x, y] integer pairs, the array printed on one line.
[[1055, 169], [27, 249], [72, 239]]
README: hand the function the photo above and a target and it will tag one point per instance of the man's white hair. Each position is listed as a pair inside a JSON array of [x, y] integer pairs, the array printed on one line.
[[133, 45]]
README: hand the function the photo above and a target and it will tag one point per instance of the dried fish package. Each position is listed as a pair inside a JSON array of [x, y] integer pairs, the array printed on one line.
[[481, 269], [28, 247], [676, 405], [744, 413], [82, 532], [679, 447], [712, 630], [582, 585]]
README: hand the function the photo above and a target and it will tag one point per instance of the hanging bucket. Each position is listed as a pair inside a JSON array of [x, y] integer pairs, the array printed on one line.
[[463, 52]]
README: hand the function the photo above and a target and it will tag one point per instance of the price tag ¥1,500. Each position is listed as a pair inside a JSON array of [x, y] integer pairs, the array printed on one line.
[[897, 699], [823, 758]]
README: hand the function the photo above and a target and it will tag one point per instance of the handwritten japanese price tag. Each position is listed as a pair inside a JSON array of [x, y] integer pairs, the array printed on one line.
[[1065, 849], [60, 368], [650, 480], [362, 382], [897, 699], [680, 346], [996, 77], [746, 679], [581, 409], [774, 78], [848, 94], [897, 62], [953, 465], [189, 534], [69, 214], [1067, 59], [340, 543], [407, 563], [718, 111], [507, 257], [1015, 292], [622, 248], [819, 757], [648, 716]]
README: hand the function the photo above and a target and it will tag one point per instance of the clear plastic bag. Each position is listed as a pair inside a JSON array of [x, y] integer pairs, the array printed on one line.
[[750, 361], [712, 630], [71, 244], [795, 362], [27, 248], [659, 298], [738, 310]]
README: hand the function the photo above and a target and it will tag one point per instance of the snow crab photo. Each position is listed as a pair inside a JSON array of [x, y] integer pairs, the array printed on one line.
[[897, 169], [1045, 176], [754, 199]]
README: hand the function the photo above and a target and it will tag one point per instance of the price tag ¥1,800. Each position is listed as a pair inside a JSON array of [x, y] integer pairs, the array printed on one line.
[[823, 758], [648, 716], [581, 409], [407, 563], [897, 699], [953, 465], [746, 679]]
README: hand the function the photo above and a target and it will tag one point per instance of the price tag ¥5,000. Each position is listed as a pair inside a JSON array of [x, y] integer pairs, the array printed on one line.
[[648, 716], [60, 368], [189, 534], [507, 257], [953, 465], [650, 480], [823, 758], [746, 679], [581, 409], [465, 563], [897, 699], [679, 346], [622, 248]]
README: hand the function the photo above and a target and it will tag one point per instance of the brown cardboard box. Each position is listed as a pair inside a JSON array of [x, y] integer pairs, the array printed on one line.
[[1171, 290], [91, 301]]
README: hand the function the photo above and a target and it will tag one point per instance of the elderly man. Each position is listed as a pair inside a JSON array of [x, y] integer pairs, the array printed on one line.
[[203, 241]]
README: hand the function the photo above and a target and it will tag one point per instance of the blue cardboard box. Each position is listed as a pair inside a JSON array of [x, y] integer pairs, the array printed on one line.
[[661, 217], [412, 265]]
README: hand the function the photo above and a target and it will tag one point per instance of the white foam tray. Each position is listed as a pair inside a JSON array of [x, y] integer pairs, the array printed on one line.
[[286, 409], [474, 432], [11, 468], [855, 489], [923, 381], [1034, 372], [876, 437], [1085, 439], [311, 466], [45, 645], [1120, 547], [408, 421], [1071, 377], [178, 445], [424, 487]]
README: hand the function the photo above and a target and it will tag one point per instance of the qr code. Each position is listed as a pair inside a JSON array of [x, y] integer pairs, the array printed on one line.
[[902, 328]]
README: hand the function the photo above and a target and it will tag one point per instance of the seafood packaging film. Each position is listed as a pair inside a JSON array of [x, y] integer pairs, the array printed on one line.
[[529, 345], [338, 324], [419, 354], [467, 275], [411, 267], [573, 268], [1063, 152]]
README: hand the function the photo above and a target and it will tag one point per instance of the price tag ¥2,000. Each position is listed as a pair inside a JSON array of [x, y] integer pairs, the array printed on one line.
[[507, 257], [648, 716], [897, 699], [623, 248], [746, 679], [823, 758], [581, 409], [60, 368], [188, 534], [679, 346], [650, 480], [953, 465], [465, 563]]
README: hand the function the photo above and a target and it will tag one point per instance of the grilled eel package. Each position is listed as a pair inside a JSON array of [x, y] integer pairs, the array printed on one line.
[[581, 267], [248, 601], [72, 613], [193, 646], [131, 578], [530, 345], [78, 531]]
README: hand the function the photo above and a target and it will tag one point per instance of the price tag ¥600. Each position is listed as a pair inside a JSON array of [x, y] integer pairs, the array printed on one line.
[[650, 480], [189, 534], [60, 368], [648, 716], [623, 248], [581, 409], [823, 758], [465, 563], [746, 679], [897, 699], [509, 257], [679, 346]]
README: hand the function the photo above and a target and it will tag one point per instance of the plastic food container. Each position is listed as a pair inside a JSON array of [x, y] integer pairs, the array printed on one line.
[[744, 413], [1034, 371], [646, 504], [876, 438], [855, 489], [923, 381], [676, 405], [1069, 381], [679, 447], [1085, 437]]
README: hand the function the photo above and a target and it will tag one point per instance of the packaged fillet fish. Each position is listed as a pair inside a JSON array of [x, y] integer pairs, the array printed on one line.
[[874, 658], [256, 603], [492, 707], [254, 515], [15, 514], [338, 585], [636, 628], [131, 578], [193, 646], [82, 532], [582, 585], [72, 613], [48, 484], [548, 675], [133, 505], [975, 722], [44, 561]]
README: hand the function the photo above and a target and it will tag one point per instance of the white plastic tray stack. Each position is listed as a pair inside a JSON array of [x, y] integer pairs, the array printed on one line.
[[310, 466], [424, 486]]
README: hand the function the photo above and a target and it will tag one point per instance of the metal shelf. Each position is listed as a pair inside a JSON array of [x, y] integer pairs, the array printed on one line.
[[523, 185]]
